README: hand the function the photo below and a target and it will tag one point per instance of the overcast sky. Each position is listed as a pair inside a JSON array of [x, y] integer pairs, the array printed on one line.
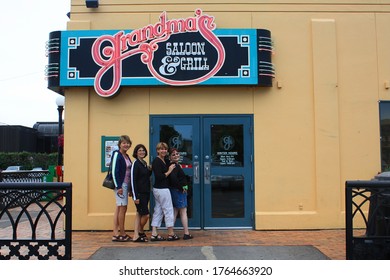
[[24, 30]]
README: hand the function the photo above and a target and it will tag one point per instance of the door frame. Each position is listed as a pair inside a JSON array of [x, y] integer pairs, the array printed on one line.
[[198, 221]]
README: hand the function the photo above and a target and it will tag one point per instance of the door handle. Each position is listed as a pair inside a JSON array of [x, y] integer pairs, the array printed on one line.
[[207, 172], [196, 172]]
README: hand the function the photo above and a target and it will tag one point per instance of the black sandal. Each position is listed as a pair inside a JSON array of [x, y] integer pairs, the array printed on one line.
[[187, 236], [173, 237], [115, 238], [141, 239], [124, 238], [157, 238]]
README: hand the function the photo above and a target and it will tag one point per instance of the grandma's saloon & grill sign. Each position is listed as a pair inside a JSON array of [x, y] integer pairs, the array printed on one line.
[[178, 52]]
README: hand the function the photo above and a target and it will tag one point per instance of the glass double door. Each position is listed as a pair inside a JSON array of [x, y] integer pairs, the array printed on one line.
[[216, 153]]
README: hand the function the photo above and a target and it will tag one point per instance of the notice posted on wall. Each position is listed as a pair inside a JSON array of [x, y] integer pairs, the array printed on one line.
[[109, 145]]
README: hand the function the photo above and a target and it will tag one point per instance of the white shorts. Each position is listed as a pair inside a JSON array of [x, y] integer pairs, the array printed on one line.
[[122, 200]]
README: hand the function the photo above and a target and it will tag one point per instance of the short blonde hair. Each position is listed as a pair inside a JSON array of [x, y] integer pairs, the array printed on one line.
[[124, 138], [162, 146]]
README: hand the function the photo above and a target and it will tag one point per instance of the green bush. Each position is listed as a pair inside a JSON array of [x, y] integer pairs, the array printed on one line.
[[27, 160]]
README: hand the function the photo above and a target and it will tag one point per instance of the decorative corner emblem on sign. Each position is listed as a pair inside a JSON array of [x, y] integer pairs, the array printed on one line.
[[164, 57]]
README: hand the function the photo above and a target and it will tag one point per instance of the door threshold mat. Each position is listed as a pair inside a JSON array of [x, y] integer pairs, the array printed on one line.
[[209, 253]]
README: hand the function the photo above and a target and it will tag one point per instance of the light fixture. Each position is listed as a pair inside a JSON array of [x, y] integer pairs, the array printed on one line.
[[60, 101], [92, 3]]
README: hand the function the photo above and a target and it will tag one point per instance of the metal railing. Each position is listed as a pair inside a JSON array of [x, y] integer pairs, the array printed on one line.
[[367, 203], [35, 221], [23, 176]]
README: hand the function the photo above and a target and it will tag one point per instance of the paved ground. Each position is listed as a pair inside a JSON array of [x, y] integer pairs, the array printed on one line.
[[306, 244], [296, 244]]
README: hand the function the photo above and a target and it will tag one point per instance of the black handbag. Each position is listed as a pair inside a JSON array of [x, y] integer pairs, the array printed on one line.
[[108, 182]]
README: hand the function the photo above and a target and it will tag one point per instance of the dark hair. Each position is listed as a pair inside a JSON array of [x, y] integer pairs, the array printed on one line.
[[171, 150], [139, 146]]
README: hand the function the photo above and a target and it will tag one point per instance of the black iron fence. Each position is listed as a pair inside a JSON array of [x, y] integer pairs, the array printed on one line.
[[24, 176], [367, 203], [35, 221]]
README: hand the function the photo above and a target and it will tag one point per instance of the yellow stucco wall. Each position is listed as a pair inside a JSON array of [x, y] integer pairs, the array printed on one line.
[[317, 127]]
